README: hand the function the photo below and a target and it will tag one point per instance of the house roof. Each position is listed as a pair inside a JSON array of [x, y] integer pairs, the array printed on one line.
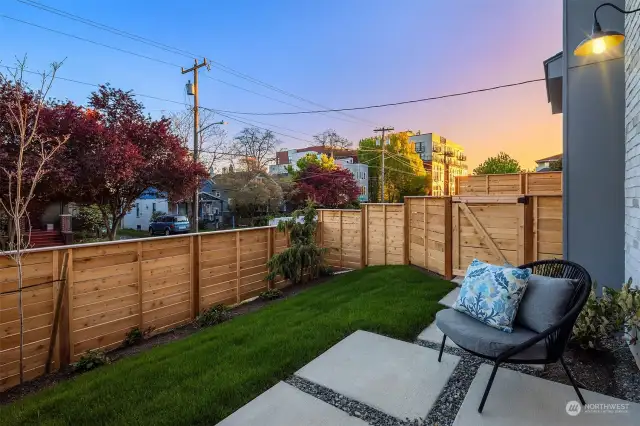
[[552, 158], [553, 78], [282, 157]]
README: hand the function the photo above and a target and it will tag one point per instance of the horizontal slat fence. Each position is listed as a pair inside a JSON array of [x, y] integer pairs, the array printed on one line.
[[160, 283], [154, 284], [547, 227], [541, 183], [340, 232]]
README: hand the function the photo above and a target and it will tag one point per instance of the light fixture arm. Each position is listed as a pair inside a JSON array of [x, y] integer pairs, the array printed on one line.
[[596, 24]]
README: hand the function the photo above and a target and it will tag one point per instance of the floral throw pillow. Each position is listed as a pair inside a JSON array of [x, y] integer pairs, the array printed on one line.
[[492, 294]]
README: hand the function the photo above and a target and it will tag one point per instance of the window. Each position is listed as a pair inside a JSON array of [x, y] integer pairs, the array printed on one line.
[[363, 190], [137, 210], [153, 207], [419, 146], [218, 194]]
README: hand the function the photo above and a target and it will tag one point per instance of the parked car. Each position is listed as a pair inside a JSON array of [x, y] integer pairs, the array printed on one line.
[[170, 224]]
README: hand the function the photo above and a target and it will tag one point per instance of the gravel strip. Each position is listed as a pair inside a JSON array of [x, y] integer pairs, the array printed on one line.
[[350, 406], [627, 376]]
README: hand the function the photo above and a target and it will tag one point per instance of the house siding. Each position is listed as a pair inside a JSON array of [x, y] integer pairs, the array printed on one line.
[[594, 153], [632, 145], [632, 151]]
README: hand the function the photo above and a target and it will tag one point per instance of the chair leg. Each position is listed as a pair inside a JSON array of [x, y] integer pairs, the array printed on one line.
[[488, 388], [444, 339], [573, 382]]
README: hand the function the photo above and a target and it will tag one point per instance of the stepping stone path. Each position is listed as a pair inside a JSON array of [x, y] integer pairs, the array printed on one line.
[[387, 382]]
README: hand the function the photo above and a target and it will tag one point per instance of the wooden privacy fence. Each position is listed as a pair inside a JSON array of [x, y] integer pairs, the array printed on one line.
[[429, 239], [156, 284], [542, 183], [164, 282], [444, 234]]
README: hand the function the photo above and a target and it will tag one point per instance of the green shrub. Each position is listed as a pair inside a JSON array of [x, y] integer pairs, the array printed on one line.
[[214, 315], [303, 258], [271, 294], [614, 315], [89, 220], [91, 359], [133, 336]]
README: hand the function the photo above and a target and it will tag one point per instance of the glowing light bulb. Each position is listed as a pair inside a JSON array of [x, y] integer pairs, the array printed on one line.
[[599, 45]]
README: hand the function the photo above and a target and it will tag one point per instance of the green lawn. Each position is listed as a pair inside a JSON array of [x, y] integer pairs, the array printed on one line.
[[203, 378]]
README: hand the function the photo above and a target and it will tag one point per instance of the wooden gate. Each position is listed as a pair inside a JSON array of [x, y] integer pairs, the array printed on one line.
[[491, 229]]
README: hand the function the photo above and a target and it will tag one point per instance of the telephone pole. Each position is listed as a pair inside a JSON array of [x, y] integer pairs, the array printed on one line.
[[383, 130], [193, 90]]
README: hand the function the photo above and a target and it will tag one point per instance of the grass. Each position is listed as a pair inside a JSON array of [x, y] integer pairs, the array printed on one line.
[[133, 233], [205, 377]]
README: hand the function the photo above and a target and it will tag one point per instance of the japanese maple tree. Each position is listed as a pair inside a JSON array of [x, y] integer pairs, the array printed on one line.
[[116, 153], [333, 187]]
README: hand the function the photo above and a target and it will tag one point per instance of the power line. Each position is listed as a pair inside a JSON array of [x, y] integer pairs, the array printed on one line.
[[150, 59], [177, 51], [432, 98]]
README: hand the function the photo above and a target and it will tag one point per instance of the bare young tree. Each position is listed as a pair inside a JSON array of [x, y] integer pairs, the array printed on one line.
[[25, 152], [331, 139], [255, 147], [213, 145]]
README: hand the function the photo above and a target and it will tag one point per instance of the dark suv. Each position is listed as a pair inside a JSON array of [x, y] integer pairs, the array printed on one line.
[[170, 224]]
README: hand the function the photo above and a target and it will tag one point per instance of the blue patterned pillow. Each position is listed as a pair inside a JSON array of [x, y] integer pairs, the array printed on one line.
[[491, 293]]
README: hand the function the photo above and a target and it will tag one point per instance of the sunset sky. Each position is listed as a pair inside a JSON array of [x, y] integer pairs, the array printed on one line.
[[336, 53]]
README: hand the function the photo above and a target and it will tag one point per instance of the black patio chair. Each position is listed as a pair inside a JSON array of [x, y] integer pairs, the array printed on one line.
[[523, 346]]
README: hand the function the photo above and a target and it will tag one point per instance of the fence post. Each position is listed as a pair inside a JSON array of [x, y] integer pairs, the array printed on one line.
[[340, 217], [425, 237], [535, 236], [384, 231], [486, 182], [270, 251], [139, 259], [195, 249], [406, 210], [363, 236], [237, 266], [455, 233], [522, 238], [448, 249], [56, 290], [66, 332]]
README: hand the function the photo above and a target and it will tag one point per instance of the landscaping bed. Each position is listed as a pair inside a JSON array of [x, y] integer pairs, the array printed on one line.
[[206, 376]]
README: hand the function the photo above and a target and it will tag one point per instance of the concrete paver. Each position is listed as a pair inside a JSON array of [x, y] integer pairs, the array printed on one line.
[[524, 400], [398, 378], [284, 405]]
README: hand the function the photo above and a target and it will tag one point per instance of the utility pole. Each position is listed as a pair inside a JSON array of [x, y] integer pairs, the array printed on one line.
[[383, 130], [193, 90]]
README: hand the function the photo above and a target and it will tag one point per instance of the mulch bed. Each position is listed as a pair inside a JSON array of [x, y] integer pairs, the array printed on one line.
[[182, 332], [612, 371]]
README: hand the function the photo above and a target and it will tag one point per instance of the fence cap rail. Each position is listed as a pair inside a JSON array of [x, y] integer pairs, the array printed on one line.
[[134, 240], [383, 204]]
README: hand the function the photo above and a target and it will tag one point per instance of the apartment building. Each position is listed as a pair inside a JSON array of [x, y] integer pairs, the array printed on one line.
[[345, 158], [438, 155]]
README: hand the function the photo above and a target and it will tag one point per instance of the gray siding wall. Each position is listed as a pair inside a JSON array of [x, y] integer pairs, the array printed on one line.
[[632, 152], [594, 149]]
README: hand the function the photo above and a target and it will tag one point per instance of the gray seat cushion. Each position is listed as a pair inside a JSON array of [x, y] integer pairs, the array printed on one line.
[[471, 334], [545, 302]]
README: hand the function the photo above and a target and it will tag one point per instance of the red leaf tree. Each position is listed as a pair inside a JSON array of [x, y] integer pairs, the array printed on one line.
[[330, 188], [116, 153]]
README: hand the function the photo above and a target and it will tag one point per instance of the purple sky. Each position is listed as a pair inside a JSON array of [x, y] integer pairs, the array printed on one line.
[[338, 53]]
